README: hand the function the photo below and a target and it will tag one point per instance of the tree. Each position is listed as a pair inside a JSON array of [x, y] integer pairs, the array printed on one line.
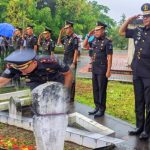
[[54, 13], [17, 13], [21, 13], [3, 10], [123, 18], [47, 3], [119, 42]]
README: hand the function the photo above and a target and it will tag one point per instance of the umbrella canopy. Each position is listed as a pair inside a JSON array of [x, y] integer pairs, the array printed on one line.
[[6, 29]]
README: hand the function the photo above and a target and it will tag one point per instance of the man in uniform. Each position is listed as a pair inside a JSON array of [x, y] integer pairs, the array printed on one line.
[[101, 66], [141, 70], [70, 42], [36, 71], [46, 43], [31, 39], [17, 39]]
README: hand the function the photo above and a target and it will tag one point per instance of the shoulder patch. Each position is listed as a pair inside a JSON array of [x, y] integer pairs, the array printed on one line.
[[48, 60], [109, 38], [74, 36], [7, 71]]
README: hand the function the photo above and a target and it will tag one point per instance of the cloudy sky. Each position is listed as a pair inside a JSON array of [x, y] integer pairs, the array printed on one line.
[[118, 7]]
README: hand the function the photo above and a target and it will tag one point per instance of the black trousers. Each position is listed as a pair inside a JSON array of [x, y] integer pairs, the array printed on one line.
[[142, 102], [99, 83], [72, 96]]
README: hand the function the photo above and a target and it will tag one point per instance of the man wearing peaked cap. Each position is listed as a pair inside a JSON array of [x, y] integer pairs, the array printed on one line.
[[146, 9], [36, 70], [141, 70], [46, 44], [69, 39], [17, 39], [101, 51], [23, 56], [47, 29], [18, 28], [30, 26], [68, 24], [100, 25], [31, 39]]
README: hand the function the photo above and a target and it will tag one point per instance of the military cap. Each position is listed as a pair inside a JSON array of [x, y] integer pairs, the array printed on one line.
[[100, 25], [30, 26], [68, 24], [47, 30], [146, 9], [18, 28], [21, 56]]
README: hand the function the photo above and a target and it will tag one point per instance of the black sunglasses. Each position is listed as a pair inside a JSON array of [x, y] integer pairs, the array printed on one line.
[[146, 15]]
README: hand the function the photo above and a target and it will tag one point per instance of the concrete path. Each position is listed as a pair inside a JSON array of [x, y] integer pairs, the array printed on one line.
[[120, 127]]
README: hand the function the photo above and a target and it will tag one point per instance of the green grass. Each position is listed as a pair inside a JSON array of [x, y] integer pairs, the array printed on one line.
[[120, 98], [11, 89]]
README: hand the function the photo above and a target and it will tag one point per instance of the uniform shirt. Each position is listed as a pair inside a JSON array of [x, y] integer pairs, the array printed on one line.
[[48, 46], [70, 45], [31, 41], [101, 47], [141, 60], [17, 42], [48, 69]]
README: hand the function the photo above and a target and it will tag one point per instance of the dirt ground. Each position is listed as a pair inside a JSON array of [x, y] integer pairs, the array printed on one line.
[[27, 137]]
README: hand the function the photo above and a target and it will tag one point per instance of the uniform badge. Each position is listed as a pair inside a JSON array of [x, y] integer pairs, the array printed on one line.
[[75, 41], [136, 42], [7, 71]]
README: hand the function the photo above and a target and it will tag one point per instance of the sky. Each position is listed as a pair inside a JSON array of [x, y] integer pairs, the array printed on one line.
[[118, 7]]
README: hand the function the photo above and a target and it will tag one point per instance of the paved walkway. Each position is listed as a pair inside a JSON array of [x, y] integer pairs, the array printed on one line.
[[120, 127], [120, 69]]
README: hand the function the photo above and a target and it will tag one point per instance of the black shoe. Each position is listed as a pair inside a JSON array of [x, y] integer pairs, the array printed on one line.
[[99, 114], [143, 136], [94, 111], [137, 131]]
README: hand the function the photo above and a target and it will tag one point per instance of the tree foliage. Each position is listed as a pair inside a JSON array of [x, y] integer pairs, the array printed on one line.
[[54, 13]]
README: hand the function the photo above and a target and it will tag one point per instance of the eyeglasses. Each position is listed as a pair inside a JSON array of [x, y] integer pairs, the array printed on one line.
[[146, 16], [21, 67]]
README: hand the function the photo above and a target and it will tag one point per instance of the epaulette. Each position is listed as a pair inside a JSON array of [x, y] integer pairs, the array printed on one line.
[[74, 35], [140, 28], [34, 36], [48, 60], [109, 38]]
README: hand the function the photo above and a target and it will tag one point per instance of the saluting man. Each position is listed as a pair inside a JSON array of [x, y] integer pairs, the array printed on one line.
[[46, 43], [31, 39], [17, 39], [141, 70], [102, 51], [70, 42]]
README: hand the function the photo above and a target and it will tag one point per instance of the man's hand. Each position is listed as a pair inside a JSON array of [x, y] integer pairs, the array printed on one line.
[[60, 35], [91, 32], [62, 31], [4, 81], [72, 66], [124, 26], [108, 74], [130, 19]]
